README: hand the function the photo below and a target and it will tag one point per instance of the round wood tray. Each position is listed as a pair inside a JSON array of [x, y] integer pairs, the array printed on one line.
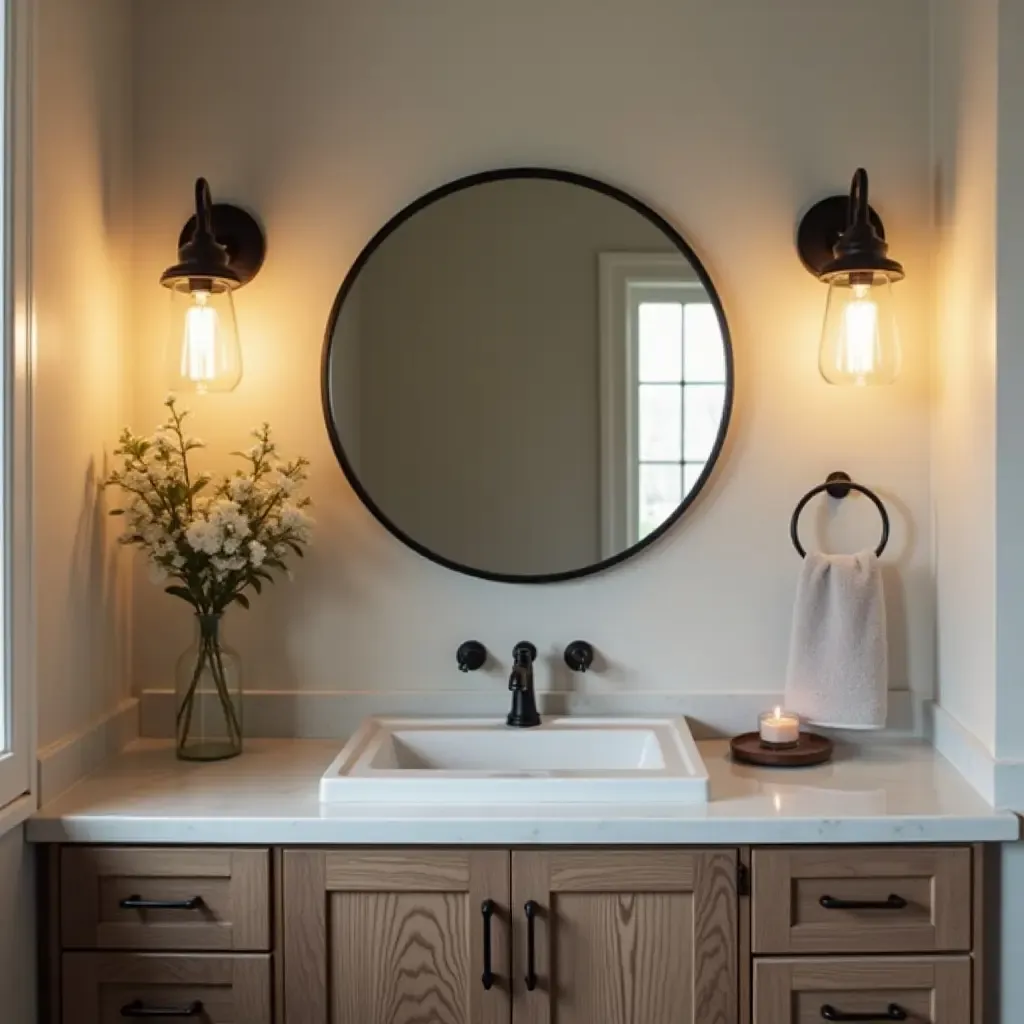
[[811, 749]]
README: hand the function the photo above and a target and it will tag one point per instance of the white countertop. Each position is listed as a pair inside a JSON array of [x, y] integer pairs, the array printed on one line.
[[899, 793]]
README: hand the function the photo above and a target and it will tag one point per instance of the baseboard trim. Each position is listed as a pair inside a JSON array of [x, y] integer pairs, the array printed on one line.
[[61, 764], [1000, 782], [281, 714], [964, 751]]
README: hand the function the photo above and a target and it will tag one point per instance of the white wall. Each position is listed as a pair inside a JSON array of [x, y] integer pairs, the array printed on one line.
[[964, 419], [729, 117], [81, 246]]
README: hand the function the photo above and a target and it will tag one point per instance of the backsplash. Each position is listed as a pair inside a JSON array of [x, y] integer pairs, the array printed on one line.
[[372, 104]]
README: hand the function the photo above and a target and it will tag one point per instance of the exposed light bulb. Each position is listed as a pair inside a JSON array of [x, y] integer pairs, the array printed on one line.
[[203, 350], [198, 345], [860, 335], [859, 339]]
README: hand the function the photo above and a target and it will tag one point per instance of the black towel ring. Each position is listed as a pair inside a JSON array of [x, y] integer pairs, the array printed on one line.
[[838, 485]]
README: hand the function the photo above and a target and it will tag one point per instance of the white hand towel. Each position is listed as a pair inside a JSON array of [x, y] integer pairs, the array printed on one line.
[[838, 654]]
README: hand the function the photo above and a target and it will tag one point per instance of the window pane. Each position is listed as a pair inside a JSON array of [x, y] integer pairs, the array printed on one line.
[[660, 326], [660, 413], [703, 417], [704, 358], [660, 494], [691, 473]]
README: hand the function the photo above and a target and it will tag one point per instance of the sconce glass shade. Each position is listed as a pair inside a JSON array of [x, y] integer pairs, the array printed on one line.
[[203, 350], [860, 343]]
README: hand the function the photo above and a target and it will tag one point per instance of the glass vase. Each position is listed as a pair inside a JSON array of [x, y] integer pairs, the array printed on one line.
[[208, 695]]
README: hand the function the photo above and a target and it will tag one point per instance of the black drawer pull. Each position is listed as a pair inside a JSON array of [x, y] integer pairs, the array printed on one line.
[[138, 903], [487, 909], [891, 1012], [138, 1008], [894, 902], [530, 909]]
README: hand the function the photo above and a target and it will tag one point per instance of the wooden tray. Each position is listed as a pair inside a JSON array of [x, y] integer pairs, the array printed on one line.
[[811, 749]]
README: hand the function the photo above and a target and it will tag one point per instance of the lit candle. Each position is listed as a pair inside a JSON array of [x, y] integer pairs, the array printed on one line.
[[780, 728]]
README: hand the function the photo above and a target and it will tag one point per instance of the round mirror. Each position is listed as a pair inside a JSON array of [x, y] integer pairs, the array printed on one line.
[[527, 375]]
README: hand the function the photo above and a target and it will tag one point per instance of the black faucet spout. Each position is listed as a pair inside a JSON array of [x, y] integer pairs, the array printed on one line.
[[524, 714]]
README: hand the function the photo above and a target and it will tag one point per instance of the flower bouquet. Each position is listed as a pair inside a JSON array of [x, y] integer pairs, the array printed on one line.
[[211, 542]]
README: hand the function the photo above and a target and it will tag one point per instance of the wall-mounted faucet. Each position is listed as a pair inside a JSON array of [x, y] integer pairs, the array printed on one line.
[[524, 702]]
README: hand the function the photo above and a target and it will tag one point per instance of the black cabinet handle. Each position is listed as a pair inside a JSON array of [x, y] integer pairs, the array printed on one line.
[[891, 1012], [894, 902], [487, 909], [138, 1008], [138, 903], [530, 910]]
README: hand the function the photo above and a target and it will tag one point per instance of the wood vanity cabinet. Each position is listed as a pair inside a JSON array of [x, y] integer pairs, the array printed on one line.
[[617, 936], [420, 935]]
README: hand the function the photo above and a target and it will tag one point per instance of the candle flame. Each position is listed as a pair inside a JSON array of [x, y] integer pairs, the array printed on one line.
[[778, 712]]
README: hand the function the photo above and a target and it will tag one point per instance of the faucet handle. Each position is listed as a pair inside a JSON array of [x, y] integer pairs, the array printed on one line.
[[470, 656], [579, 655], [524, 653]]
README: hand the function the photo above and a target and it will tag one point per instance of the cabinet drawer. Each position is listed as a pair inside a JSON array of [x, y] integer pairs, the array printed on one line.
[[212, 898], [922, 990], [862, 900], [115, 988]]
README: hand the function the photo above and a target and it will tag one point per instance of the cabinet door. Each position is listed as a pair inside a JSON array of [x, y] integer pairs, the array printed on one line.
[[395, 936], [625, 937]]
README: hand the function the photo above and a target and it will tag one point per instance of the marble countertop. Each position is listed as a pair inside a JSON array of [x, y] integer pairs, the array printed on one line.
[[882, 793]]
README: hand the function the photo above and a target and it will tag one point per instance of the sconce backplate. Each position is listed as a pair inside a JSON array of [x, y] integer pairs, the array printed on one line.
[[820, 229], [240, 233]]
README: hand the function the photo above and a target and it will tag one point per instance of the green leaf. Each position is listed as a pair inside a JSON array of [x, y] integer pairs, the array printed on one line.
[[256, 585], [296, 548], [182, 592], [264, 575], [116, 512], [242, 600]]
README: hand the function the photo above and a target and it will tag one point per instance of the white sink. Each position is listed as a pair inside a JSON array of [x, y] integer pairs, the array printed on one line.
[[483, 761]]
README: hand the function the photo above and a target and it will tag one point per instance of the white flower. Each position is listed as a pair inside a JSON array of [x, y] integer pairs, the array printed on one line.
[[157, 572], [204, 536], [231, 545], [226, 515], [257, 552], [281, 482], [240, 488]]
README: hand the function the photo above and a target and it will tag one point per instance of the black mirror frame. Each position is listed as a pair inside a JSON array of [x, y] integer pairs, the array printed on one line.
[[482, 178]]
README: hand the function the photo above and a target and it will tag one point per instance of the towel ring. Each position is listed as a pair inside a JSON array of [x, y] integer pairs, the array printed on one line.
[[838, 485]]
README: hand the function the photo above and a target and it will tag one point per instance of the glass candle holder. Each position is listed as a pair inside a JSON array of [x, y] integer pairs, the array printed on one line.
[[779, 729]]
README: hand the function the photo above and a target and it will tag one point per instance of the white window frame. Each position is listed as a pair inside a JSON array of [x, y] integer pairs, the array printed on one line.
[[17, 749], [619, 373]]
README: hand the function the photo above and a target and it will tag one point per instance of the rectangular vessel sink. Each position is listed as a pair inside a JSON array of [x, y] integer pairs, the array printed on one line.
[[483, 761]]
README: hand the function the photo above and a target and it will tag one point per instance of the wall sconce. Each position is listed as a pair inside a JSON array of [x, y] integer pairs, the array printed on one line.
[[842, 242], [220, 249]]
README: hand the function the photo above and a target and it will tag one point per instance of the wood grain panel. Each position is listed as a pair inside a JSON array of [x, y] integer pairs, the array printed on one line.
[[398, 871], [400, 957], [631, 949], [611, 870], [399, 945], [233, 989], [306, 966], [932, 990], [788, 884], [234, 885]]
